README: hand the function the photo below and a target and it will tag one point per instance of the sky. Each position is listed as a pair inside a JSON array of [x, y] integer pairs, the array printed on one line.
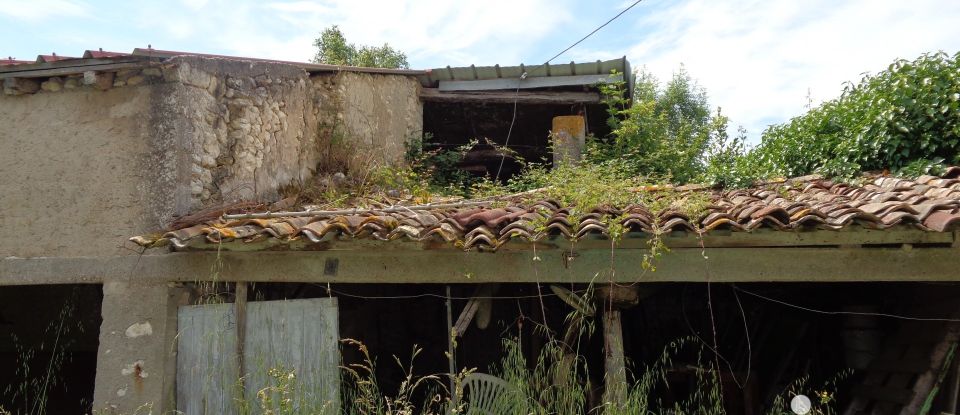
[[761, 61]]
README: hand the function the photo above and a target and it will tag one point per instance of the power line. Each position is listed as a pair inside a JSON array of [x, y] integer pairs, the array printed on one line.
[[591, 33], [854, 313], [523, 76]]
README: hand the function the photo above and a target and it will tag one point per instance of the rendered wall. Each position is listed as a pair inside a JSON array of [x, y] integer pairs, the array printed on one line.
[[83, 168], [87, 163], [369, 116], [74, 171]]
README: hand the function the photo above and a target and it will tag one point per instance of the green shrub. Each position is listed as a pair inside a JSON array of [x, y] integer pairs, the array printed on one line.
[[904, 119], [663, 132]]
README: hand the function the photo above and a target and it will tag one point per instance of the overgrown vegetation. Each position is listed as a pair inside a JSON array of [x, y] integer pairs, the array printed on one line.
[[905, 119], [663, 131], [333, 48]]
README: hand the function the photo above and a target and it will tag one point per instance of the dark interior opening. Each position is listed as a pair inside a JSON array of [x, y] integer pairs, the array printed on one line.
[[49, 336], [765, 347], [449, 125]]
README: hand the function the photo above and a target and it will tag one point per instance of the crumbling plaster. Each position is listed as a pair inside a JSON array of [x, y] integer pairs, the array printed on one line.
[[374, 115], [136, 358], [247, 128], [88, 164]]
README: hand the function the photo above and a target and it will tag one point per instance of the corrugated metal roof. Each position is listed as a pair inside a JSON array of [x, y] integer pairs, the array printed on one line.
[[476, 73]]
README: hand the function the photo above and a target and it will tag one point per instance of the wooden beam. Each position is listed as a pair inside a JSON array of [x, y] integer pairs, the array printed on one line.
[[68, 63], [508, 97], [68, 70], [760, 238], [450, 266], [530, 82], [479, 302]]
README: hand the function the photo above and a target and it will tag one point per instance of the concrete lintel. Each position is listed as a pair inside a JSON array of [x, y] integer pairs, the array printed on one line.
[[447, 266]]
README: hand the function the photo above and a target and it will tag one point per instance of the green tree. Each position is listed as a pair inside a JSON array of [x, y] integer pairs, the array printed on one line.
[[904, 119], [665, 131], [333, 48]]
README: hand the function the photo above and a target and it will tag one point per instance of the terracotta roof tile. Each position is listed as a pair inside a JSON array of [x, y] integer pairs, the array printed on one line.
[[928, 203]]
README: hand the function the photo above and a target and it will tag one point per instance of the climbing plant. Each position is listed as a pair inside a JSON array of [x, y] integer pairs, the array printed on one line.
[[904, 119]]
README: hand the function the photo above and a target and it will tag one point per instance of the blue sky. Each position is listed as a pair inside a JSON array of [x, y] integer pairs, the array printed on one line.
[[759, 60]]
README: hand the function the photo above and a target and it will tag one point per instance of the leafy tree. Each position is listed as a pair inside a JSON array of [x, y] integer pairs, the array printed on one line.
[[665, 131], [906, 119], [333, 48]]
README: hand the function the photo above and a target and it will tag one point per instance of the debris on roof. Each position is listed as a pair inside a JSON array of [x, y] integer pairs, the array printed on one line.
[[809, 203]]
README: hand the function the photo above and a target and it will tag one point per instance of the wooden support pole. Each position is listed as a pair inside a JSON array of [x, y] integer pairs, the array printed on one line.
[[240, 307], [615, 378], [450, 347], [612, 299], [953, 388]]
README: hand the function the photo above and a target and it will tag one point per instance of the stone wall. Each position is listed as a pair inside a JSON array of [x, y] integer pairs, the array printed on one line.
[[248, 128], [368, 116], [89, 160]]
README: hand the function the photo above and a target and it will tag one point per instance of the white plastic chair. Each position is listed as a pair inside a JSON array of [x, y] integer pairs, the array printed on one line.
[[488, 395]]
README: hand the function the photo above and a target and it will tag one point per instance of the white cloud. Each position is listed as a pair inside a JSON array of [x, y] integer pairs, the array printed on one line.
[[34, 10], [758, 58], [431, 33]]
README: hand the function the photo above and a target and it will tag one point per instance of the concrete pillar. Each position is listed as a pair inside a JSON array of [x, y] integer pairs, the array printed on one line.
[[568, 134], [136, 360]]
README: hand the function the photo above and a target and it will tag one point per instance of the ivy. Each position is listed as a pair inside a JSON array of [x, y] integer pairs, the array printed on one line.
[[905, 119]]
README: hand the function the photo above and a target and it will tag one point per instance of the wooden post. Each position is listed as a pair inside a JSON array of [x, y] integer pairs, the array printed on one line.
[[240, 307], [953, 388], [450, 347], [612, 300], [569, 138], [615, 378]]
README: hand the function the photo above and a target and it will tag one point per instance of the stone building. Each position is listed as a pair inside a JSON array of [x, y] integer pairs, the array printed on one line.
[[111, 145], [134, 187], [101, 148]]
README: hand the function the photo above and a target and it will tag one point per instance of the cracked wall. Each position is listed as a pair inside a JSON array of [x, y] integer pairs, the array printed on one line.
[[90, 159]]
